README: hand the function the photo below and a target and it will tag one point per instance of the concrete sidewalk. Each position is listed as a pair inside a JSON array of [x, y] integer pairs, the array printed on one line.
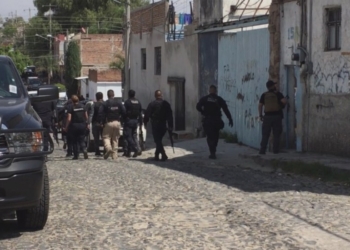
[[230, 154]]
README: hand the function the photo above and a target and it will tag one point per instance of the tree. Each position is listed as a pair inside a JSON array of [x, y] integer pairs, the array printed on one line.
[[20, 60], [100, 16], [119, 64], [73, 67]]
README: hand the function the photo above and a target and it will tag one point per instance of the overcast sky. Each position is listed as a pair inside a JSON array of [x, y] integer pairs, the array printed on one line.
[[21, 6]]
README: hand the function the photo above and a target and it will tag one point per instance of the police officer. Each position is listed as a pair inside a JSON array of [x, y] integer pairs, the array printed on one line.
[[111, 112], [160, 113], [273, 102], [45, 110], [97, 122], [76, 127], [133, 117], [210, 107], [66, 136]]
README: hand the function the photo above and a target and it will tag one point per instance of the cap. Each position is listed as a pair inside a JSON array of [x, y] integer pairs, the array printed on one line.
[[270, 84]]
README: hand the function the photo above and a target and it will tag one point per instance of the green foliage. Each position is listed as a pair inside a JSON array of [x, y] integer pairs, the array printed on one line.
[[61, 87], [228, 137], [312, 169], [99, 16], [20, 60], [73, 67], [36, 46], [119, 63]]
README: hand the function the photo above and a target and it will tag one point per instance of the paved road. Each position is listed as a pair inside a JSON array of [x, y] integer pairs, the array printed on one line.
[[185, 203]]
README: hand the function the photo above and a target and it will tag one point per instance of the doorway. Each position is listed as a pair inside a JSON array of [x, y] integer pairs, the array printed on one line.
[[177, 92]]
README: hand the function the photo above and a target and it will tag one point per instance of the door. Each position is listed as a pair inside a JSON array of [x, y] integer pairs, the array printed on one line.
[[177, 86]]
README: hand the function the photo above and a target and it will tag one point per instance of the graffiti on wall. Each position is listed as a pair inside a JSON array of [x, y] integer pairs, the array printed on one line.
[[335, 80], [228, 82], [293, 33], [324, 105]]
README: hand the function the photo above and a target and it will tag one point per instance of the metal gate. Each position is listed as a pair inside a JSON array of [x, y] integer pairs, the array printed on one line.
[[243, 71]]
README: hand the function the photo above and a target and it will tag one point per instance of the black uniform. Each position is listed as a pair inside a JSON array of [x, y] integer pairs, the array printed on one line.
[[45, 110], [133, 117], [210, 107], [96, 122], [77, 128], [160, 113], [273, 109], [63, 115]]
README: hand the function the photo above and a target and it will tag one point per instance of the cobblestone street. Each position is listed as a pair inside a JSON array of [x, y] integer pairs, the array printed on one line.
[[185, 203]]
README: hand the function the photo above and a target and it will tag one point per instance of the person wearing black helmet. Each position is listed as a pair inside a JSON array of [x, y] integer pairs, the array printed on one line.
[[133, 118], [273, 103]]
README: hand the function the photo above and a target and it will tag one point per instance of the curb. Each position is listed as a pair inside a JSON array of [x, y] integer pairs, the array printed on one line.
[[301, 167]]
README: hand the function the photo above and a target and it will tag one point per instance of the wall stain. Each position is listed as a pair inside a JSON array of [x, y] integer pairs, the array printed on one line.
[[325, 105], [240, 97], [248, 77]]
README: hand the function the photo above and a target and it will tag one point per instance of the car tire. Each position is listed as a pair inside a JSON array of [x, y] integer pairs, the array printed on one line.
[[35, 218]]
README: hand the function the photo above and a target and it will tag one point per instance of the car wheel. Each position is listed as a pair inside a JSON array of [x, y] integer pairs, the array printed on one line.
[[35, 218]]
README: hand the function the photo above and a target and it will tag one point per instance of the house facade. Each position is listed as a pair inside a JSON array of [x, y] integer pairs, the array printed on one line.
[[315, 66], [170, 66], [97, 51]]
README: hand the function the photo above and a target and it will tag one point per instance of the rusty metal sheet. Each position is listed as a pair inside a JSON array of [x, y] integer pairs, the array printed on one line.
[[242, 76]]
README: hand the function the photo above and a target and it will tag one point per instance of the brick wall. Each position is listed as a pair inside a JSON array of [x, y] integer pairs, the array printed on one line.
[[100, 49], [105, 75], [145, 18]]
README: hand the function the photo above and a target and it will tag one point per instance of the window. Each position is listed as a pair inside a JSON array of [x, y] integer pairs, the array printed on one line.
[[158, 60], [143, 59], [333, 23], [10, 83]]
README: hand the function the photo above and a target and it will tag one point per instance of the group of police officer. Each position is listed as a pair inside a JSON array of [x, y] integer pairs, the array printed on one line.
[[107, 118]]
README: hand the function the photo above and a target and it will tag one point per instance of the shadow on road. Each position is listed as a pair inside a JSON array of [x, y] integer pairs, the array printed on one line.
[[233, 171]]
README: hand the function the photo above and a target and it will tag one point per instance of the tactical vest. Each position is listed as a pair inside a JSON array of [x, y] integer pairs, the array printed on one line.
[[212, 107], [97, 106], [78, 115], [113, 112], [271, 103], [134, 110], [157, 114]]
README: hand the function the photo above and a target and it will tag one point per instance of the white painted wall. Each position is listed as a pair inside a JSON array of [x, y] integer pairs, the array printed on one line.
[[179, 59], [290, 32], [331, 69], [104, 87]]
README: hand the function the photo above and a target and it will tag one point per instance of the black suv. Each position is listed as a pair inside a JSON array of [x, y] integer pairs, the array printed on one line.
[[24, 183]]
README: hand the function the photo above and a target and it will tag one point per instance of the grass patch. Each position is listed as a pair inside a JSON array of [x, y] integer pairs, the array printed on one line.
[[228, 137], [315, 170], [61, 87]]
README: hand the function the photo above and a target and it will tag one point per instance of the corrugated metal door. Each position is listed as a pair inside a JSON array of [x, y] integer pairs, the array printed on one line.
[[242, 76], [208, 61]]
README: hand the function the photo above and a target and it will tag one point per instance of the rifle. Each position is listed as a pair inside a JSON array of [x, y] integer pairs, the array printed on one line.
[[171, 139], [55, 134]]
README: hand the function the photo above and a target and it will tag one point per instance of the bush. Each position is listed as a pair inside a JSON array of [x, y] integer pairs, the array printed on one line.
[[229, 138], [61, 87]]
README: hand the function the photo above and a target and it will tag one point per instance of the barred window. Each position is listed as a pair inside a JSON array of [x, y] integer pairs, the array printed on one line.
[[158, 60], [333, 25]]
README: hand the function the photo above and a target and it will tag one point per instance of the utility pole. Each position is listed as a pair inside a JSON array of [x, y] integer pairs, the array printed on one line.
[[50, 21], [127, 51], [30, 12]]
